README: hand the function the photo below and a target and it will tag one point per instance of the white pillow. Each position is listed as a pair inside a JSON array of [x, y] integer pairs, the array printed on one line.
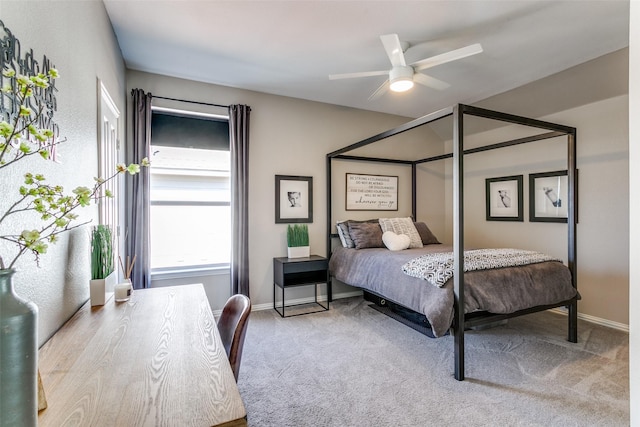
[[402, 226], [395, 242]]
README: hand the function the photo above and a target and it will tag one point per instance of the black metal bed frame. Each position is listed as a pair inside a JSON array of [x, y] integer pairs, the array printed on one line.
[[458, 113]]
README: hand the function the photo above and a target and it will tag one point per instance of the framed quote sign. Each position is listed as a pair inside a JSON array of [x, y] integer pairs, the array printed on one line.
[[371, 192]]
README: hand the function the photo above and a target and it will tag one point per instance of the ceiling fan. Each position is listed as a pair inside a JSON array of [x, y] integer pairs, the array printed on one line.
[[403, 76]]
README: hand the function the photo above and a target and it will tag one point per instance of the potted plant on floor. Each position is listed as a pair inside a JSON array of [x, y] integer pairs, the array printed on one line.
[[103, 274], [297, 241]]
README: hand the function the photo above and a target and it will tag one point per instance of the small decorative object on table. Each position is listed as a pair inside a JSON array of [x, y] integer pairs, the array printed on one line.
[[297, 241], [103, 274], [124, 289]]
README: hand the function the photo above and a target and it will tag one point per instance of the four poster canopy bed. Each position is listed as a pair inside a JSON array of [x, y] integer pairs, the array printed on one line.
[[468, 288]]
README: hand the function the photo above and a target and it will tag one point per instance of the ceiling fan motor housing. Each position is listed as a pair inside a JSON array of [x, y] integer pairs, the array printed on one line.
[[401, 78]]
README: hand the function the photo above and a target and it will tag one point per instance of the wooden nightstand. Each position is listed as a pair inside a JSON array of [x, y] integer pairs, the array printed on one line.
[[294, 272]]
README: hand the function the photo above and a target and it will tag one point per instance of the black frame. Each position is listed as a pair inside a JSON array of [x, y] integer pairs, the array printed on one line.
[[532, 197], [278, 200], [519, 216], [458, 112]]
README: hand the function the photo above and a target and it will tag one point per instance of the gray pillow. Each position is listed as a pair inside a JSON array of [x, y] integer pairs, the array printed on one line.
[[343, 231], [366, 235], [426, 235]]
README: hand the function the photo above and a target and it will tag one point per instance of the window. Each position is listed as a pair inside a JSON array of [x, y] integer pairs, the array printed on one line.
[[190, 196]]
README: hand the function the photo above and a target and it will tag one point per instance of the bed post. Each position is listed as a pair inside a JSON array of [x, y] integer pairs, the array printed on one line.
[[328, 193], [571, 225], [458, 241], [414, 208]]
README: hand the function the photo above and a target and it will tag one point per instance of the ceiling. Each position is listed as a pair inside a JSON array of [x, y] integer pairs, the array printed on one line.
[[290, 47]]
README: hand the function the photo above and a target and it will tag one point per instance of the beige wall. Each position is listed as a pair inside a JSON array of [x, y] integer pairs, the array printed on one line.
[[634, 196], [77, 37], [603, 229], [288, 137], [292, 137]]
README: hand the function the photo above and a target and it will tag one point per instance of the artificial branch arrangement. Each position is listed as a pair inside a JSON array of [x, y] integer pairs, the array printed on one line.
[[24, 133], [129, 269]]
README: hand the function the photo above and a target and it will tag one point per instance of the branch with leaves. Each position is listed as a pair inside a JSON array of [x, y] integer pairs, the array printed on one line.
[[20, 138]]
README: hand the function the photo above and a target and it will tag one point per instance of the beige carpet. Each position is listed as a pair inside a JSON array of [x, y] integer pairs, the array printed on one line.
[[353, 366]]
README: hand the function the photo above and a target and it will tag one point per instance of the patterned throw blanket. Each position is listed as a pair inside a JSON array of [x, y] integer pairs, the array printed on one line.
[[438, 268]]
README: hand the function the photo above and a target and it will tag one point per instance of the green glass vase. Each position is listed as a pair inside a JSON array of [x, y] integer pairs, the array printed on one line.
[[18, 357]]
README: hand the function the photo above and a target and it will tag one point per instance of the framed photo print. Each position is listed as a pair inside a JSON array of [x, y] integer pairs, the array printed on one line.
[[371, 192], [549, 196], [504, 198], [294, 199]]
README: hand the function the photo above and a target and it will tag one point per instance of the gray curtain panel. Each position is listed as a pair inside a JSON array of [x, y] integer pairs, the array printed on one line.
[[239, 139], [137, 196]]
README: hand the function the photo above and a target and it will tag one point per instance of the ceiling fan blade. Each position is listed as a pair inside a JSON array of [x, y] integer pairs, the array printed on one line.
[[356, 75], [443, 58], [429, 81], [380, 91], [392, 45]]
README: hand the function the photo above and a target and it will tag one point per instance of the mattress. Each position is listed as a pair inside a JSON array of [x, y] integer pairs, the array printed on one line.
[[500, 290]]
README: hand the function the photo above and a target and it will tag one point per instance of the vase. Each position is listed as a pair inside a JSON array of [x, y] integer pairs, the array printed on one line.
[[298, 252], [100, 289], [18, 356]]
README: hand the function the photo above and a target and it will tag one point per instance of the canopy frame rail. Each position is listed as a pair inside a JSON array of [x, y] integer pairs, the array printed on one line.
[[458, 112]]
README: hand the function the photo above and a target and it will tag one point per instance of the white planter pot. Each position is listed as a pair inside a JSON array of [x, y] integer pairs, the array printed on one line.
[[298, 252], [101, 289]]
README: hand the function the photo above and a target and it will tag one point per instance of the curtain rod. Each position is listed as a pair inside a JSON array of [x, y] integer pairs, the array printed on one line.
[[191, 102]]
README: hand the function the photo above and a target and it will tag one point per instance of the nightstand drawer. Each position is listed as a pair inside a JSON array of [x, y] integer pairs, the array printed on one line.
[[298, 267]]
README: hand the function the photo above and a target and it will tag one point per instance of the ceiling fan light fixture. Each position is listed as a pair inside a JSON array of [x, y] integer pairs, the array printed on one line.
[[401, 78]]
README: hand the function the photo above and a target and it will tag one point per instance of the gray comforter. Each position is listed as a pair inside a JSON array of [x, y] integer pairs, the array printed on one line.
[[502, 290]]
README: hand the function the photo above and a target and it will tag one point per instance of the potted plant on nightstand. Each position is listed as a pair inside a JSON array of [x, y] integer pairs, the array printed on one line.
[[297, 241], [103, 274]]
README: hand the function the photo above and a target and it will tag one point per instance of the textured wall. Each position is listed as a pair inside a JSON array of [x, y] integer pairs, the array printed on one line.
[[78, 39]]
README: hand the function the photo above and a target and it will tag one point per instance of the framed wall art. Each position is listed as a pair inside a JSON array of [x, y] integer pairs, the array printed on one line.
[[549, 196], [504, 198], [371, 192], [294, 199]]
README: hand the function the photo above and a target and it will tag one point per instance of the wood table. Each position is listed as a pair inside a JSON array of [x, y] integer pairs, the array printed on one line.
[[155, 360]]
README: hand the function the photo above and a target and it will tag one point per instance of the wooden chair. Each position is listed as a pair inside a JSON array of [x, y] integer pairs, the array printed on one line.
[[232, 326]]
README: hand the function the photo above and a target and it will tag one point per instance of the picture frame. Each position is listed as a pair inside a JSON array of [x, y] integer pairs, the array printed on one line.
[[294, 199], [371, 192], [549, 196], [504, 198]]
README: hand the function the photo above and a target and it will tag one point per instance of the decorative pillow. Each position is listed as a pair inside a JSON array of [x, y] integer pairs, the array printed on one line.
[[366, 234], [402, 226], [343, 227], [428, 238], [395, 242], [341, 234]]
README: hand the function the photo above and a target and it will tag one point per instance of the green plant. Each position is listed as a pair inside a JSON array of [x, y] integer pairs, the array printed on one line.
[[24, 133], [297, 235], [102, 263]]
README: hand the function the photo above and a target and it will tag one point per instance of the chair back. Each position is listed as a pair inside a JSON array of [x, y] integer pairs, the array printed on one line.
[[232, 326]]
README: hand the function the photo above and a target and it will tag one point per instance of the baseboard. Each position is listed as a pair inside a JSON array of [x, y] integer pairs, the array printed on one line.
[[593, 319], [269, 305]]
